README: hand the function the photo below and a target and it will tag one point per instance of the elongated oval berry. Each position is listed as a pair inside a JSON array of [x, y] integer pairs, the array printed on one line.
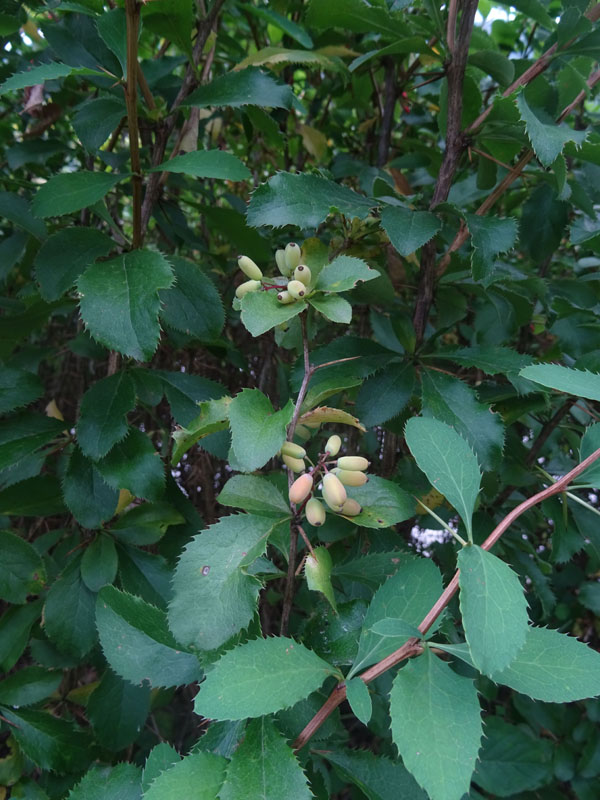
[[334, 493], [282, 264], [293, 450], [246, 287], [285, 297], [351, 477], [249, 268], [297, 289], [315, 512], [333, 444], [295, 464], [351, 507], [293, 254], [301, 488], [302, 274], [302, 432], [353, 462]]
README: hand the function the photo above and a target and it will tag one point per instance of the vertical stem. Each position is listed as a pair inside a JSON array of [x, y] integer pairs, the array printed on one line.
[[132, 11]]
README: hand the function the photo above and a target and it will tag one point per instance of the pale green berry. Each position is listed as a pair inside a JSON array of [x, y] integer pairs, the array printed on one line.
[[351, 508], [315, 512], [302, 432], [246, 287], [301, 488], [302, 274], [293, 254], [353, 462], [297, 289], [293, 450], [282, 264], [332, 447], [285, 297], [249, 268], [295, 464], [334, 493], [351, 477]]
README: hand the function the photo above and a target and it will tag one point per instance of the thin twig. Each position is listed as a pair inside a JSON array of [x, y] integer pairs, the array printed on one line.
[[132, 11]]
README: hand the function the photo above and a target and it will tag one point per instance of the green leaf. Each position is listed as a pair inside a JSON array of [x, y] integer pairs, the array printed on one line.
[[493, 608], [28, 686], [16, 209], [304, 200], [254, 494], [344, 273], [547, 138], [511, 760], [264, 767], [72, 191], [121, 782], [261, 311], [490, 236], [25, 433], [372, 569], [97, 119], [134, 464], [112, 27], [553, 667], [214, 597], [99, 563], [497, 66], [324, 414], [34, 497], [257, 430], [88, 497], [317, 570], [57, 274], [172, 19], [207, 164], [491, 360], [564, 379], [333, 307], [377, 777], [251, 86], [18, 388], [147, 523], [213, 417], [69, 613], [436, 725], [385, 394], [354, 15], [283, 55], [102, 421], [543, 221], [193, 305], [15, 625], [589, 596], [407, 596], [383, 503], [448, 461], [137, 643], [260, 677], [40, 74], [22, 570], [297, 32], [388, 626], [408, 230], [119, 301], [159, 759], [357, 695], [117, 711], [200, 773]]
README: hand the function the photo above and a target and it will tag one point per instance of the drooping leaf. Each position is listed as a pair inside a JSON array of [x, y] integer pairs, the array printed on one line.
[[214, 597], [112, 27], [137, 643], [72, 191], [102, 421], [357, 695], [117, 711], [303, 200], [261, 311], [325, 414], [436, 725], [494, 64], [213, 417], [121, 782], [344, 273], [134, 464], [260, 677], [22, 571], [257, 430], [408, 230], [16, 209], [448, 461], [99, 563], [564, 379], [317, 570], [18, 388], [28, 686], [255, 495], [490, 236], [333, 307], [200, 773], [251, 86], [96, 119], [119, 301], [207, 164], [546, 137], [88, 497], [377, 777], [192, 305], [69, 613], [383, 503], [292, 29], [264, 767], [493, 608], [385, 394]]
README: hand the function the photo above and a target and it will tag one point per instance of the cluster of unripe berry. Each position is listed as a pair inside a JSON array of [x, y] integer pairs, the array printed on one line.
[[288, 261], [348, 471]]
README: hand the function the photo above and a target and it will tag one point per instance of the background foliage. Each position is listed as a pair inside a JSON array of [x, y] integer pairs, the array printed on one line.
[[440, 170]]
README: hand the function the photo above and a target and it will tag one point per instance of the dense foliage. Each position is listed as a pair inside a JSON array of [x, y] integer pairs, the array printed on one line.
[[204, 592]]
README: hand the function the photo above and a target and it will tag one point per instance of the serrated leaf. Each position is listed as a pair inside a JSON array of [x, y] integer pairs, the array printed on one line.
[[69, 613], [385, 394], [252, 86], [264, 767], [15, 625], [333, 307], [372, 569], [57, 274], [206, 164], [324, 414], [284, 55], [23, 434], [436, 725], [192, 305], [134, 464], [160, 758], [317, 570], [42, 73], [377, 777], [383, 503], [590, 442], [214, 597], [493, 608], [99, 563], [354, 15], [553, 667], [255, 495], [138, 644], [96, 119], [260, 677], [303, 200], [344, 273], [146, 523], [407, 596], [200, 773], [564, 379], [294, 30], [186, 392], [261, 311], [257, 430], [490, 236], [357, 695], [117, 711], [407, 229], [213, 417], [112, 27], [18, 388], [72, 191], [88, 497], [546, 136], [491, 360], [34, 497], [28, 686], [119, 301], [16, 209], [102, 416], [172, 19], [448, 461], [22, 571], [496, 65], [121, 782], [543, 221], [388, 626]]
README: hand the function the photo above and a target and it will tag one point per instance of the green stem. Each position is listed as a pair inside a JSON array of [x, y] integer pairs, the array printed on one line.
[[444, 525]]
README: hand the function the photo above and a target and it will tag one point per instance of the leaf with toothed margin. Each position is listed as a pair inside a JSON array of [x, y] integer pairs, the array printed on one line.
[[490, 236], [257, 430], [121, 782], [262, 311], [251, 86], [344, 273], [577, 382], [213, 417], [102, 416], [202, 771], [546, 137], [260, 677], [383, 503], [379, 778]]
